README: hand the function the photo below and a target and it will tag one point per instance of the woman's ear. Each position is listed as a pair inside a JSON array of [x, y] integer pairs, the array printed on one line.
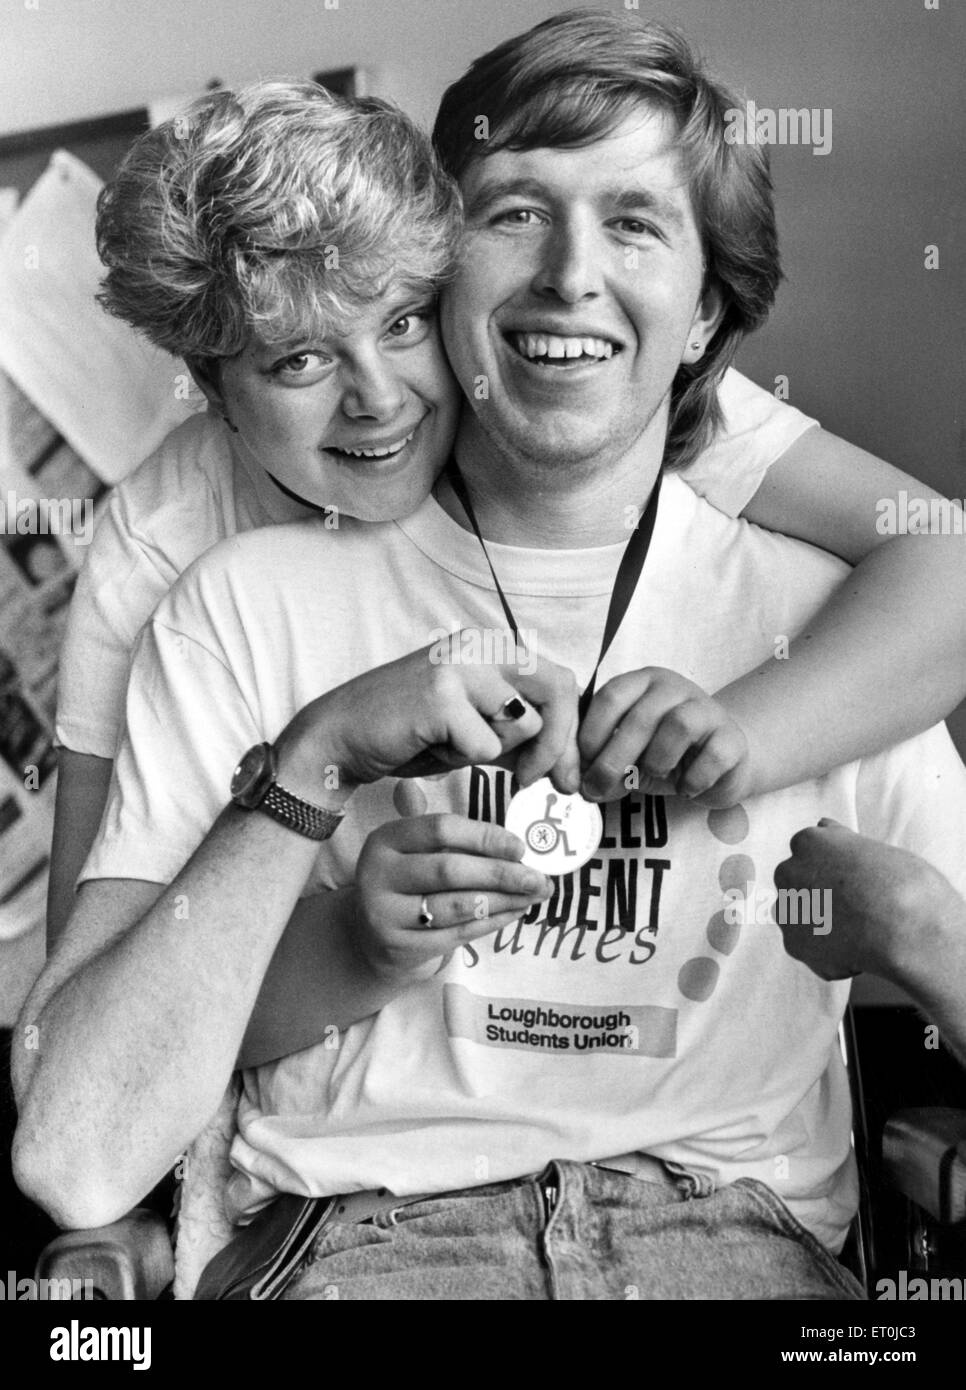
[[206, 374]]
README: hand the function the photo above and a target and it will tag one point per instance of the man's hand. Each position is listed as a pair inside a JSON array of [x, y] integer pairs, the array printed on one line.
[[453, 709], [887, 906], [668, 728], [470, 875]]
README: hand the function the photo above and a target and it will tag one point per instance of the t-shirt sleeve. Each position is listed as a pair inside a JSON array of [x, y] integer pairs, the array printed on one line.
[[186, 725], [119, 587], [755, 431], [914, 796]]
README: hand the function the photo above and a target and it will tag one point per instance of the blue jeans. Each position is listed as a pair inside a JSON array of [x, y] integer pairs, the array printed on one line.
[[577, 1232]]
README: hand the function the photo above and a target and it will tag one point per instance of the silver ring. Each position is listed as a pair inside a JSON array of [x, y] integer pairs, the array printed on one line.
[[426, 918]]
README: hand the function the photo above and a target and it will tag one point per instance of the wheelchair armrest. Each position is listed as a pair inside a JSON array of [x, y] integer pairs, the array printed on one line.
[[131, 1259], [924, 1156]]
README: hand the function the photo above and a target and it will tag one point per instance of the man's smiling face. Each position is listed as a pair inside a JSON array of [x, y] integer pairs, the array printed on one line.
[[579, 293]]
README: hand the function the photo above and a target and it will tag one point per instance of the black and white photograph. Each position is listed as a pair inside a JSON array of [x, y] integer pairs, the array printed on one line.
[[483, 667]]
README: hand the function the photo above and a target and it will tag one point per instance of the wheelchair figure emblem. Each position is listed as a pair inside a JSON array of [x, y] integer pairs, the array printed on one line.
[[544, 835], [560, 832]]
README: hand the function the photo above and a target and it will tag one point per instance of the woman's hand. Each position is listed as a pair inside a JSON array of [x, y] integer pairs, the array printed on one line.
[[427, 702], [469, 874], [664, 725]]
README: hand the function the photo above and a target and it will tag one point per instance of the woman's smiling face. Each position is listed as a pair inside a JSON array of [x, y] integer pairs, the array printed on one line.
[[360, 420]]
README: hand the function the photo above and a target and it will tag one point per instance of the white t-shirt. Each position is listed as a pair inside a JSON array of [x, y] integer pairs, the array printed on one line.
[[189, 495], [631, 1016]]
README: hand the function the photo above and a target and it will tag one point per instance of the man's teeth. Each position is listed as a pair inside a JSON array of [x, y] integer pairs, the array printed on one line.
[[378, 453], [549, 345]]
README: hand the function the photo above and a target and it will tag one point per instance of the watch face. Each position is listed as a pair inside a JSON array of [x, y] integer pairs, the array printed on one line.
[[251, 776]]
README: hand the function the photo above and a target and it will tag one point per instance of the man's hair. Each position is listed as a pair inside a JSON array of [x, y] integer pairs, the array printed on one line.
[[571, 81], [278, 209]]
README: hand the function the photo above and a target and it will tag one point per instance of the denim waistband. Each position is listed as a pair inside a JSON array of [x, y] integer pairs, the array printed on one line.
[[261, 1258]]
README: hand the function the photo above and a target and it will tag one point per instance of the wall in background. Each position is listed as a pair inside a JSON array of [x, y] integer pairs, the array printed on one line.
[[871, 342], [70, 58]]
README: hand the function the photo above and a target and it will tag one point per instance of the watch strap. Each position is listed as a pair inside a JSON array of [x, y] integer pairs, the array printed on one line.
[[315, 822]]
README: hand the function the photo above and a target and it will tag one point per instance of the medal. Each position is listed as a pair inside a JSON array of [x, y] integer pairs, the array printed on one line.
[[560, 832]]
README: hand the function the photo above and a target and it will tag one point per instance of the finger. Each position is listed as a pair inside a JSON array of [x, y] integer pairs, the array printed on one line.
[[705, 765], [794, 872], [726, 792], [608, 708], [804, 842], [553, 689], [605, 777], [465, 698], [409, 799], [445, 830], [632, 740], [490, 701], [682, 728], [440, 873], [454, 909], [514, 722], [448, 939], [471, 740], [565, 773]]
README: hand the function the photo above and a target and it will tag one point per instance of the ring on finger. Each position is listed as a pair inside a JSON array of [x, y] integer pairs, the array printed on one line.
[[510, 711], [426, 918]]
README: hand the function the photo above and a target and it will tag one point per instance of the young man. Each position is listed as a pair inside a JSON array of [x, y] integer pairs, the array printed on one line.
[[552, 1093]]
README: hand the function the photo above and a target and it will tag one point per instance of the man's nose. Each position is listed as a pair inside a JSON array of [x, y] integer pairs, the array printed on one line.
[[571, 267], [373, 390]]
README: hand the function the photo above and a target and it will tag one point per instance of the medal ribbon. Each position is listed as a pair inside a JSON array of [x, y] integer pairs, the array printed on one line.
[[628, 571]]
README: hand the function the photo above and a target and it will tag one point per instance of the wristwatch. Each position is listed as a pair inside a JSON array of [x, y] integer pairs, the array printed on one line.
[[254, 787]]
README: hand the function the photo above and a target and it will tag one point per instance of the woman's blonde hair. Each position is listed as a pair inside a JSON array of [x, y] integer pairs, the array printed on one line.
[[277, 209]]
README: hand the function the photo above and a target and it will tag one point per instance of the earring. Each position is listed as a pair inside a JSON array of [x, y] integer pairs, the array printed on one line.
[[233, 428], [695, 347]]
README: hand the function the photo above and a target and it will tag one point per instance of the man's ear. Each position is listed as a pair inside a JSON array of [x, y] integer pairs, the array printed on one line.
[[206, 374], [704, 325]]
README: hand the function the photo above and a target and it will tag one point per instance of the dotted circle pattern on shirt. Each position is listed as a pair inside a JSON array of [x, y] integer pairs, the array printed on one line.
[[699, 976]]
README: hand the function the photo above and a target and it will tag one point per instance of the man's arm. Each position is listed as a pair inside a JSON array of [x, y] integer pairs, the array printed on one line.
[[892, 915], [140, 1013]]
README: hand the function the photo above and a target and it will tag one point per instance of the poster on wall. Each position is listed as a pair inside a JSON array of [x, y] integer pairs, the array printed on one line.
[[48, 496]]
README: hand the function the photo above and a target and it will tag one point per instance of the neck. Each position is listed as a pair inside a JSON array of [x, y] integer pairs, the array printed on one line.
[[567, 507]]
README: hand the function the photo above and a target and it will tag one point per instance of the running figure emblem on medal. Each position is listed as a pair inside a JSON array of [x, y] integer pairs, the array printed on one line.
[[560, 832]]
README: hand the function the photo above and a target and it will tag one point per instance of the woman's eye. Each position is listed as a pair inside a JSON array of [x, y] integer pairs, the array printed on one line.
[[300, 364], [412, 325]]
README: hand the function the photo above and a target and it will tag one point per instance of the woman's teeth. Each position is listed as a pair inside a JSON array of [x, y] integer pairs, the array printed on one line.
[[536, 346], [383, 453]]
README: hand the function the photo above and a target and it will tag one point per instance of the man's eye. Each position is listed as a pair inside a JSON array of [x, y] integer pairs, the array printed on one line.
[[518, 217], [635, 226]]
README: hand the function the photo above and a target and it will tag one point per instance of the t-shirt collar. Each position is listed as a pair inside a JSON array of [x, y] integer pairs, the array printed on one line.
[[580, 572]]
